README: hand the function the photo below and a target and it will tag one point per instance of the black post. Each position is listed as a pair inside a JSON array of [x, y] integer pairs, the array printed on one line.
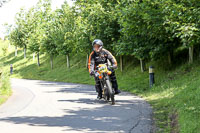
[[151, 76], [11, 69]]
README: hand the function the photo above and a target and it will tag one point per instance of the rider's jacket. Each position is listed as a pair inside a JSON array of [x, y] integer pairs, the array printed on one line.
[[100, 58]]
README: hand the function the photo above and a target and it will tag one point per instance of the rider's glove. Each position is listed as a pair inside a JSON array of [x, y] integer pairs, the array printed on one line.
[[92, 73], [112, 67]]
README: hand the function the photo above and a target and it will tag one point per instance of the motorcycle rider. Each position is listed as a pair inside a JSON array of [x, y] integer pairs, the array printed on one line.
[[99, 55]]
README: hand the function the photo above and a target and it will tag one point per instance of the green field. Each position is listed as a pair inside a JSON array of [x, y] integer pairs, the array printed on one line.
[[175, 96]]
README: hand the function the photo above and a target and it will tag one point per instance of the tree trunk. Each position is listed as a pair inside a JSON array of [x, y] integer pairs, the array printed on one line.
[[38, 59], [191, 53], [15, 50], [24, 52], [51, 60], [143, 66], [33, 56], [169, 59], [199, 51], [68, 64], [121, 63], [87, 61]]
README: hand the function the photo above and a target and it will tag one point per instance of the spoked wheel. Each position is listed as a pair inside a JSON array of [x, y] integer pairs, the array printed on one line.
[[110, 91], [108, 98], [106, 95], [113, 99]]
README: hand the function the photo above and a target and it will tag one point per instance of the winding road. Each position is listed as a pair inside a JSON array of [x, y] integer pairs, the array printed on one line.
[[56, 107]]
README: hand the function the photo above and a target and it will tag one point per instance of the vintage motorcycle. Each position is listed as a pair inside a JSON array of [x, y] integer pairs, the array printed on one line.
[[103, 73]]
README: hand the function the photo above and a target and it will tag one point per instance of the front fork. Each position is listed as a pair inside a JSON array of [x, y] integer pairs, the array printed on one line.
[[104, 84]]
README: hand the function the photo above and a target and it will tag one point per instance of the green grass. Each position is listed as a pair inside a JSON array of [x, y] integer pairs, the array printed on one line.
[[175, 96], [5, 89]]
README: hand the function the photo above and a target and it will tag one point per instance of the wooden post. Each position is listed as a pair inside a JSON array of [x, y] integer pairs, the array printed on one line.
[[121, 63], [68, 63], [141, 65], [87, 61], [191, 52], [33, 56], [15, 50], [51, 58], [38, 59], [24, 52], [198, 51], [169, 59]]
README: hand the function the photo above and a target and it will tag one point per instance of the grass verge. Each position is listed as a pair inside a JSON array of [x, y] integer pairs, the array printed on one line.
[[5, 88]]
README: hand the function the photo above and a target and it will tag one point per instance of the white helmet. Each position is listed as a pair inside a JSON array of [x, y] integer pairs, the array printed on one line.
[[98, 42]]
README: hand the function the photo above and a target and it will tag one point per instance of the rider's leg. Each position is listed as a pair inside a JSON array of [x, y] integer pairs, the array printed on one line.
[[98, 88], [114, 83]]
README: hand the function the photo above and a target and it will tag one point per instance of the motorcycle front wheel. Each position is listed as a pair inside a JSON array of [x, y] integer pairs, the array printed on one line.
[[110, 91]]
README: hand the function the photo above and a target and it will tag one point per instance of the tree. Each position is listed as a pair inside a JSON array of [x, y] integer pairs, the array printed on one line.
[[64, 31], [48, 45], [184, 22], [96, 20], [36, 21], [140, 29], [19, 36]]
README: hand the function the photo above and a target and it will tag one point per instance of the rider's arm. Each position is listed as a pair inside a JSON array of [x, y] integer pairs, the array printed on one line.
[[91, 62], [111, 58]]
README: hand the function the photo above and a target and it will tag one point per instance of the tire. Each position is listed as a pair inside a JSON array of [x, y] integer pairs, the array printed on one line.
[[106, 94], [110, 91], [108, 98]]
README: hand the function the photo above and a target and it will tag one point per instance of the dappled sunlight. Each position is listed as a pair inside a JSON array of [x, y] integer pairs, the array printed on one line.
[[68, 106], [166, 93]]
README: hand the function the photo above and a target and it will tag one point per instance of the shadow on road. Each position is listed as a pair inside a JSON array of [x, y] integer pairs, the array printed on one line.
[[122, 117], [69, 87], [105, 118]]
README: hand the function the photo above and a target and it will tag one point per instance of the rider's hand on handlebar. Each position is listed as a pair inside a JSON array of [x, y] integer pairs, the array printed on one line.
[[112, 67], [92, 73]]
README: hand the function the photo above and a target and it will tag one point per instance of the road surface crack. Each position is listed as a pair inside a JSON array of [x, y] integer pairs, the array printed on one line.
[[134, 126]]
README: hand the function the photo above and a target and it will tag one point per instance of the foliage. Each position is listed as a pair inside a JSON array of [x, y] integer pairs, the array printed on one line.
[[148, 30]]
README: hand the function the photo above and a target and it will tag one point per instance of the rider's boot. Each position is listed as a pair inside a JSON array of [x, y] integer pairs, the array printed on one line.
[[98, 89], [99, 96], [115, 86], [117, 91]]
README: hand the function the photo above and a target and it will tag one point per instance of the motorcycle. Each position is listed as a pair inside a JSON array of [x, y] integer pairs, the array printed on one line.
[[103, 73]]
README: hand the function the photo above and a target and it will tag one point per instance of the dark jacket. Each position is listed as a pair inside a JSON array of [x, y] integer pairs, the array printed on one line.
[[101, 58]]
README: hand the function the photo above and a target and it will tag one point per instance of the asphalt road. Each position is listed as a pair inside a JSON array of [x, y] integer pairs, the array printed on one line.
[[56, 107]]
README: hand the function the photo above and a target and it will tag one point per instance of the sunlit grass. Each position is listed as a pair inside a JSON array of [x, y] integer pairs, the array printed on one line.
[[5, 89]]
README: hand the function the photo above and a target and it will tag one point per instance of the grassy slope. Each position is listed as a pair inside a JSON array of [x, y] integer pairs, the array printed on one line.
[[5, 89], [175, 97]]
